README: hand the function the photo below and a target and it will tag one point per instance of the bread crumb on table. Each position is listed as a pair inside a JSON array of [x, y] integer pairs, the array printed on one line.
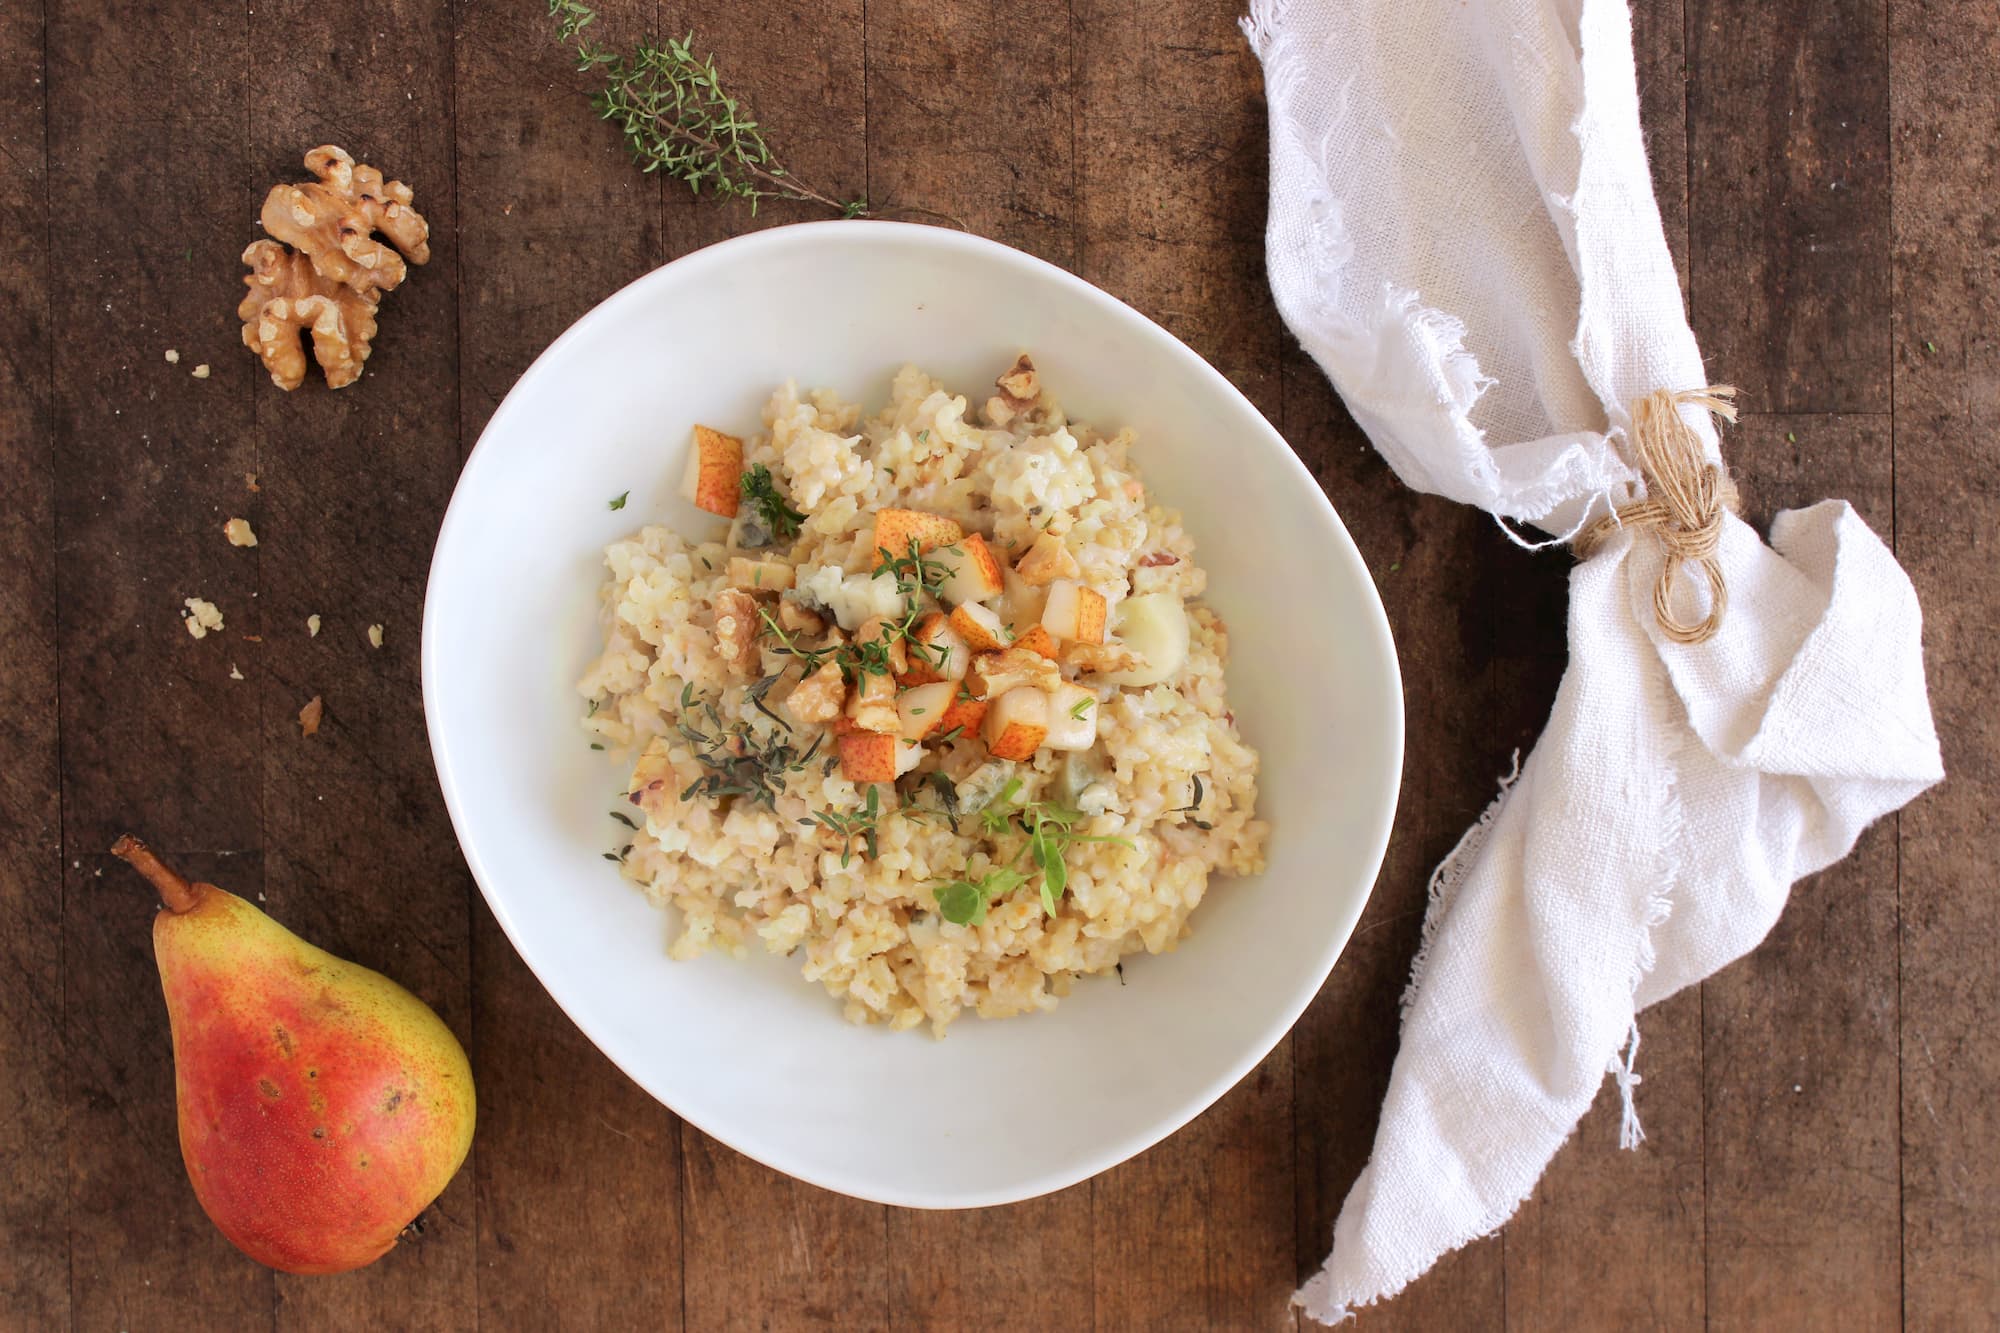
[[173, 357], [200, 617], [201, 371], [375, 636], [312, 625], [309, 716], [234, 674], [239, 533], [250, 481]]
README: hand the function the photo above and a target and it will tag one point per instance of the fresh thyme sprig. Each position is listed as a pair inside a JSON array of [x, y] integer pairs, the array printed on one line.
[[735, 761], [850, 824], [676, 116]]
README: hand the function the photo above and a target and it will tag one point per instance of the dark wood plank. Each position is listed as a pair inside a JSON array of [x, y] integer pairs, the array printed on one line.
[[155, 734], [564, 1135], [971, 113], [1170, 147], [1787, 135], [34, 1286], [1947, 394], [1196, 1233], [1026, 1267], [360, 856], [1789, 276], [767, 1252]]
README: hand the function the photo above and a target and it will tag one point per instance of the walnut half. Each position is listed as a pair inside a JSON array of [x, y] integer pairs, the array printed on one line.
[[334, 220], [287, 296]]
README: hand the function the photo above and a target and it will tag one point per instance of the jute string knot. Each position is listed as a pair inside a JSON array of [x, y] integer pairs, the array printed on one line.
[[1687, 498]]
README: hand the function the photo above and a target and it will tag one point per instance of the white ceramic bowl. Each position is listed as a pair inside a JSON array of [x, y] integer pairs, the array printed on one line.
[[746, 1050]]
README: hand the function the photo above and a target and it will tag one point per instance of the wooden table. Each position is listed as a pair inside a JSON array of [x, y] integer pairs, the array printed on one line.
[[1821, 1117]]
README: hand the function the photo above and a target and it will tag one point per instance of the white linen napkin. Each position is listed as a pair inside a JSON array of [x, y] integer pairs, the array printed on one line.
[[1463, 234]]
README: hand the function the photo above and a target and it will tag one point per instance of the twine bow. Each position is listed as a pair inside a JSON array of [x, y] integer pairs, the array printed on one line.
[[1686, 499]]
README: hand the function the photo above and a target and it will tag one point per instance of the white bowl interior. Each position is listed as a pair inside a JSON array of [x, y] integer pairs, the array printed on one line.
[[745, 1049]]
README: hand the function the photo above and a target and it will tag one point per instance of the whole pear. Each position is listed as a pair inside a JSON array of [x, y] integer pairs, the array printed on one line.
[[322, 1106]]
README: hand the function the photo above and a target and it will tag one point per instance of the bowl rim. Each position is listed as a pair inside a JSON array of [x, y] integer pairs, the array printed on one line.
[[1120, 1148]]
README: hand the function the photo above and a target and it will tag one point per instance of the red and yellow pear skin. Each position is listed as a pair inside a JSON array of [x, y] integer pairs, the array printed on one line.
[[322, 1106]]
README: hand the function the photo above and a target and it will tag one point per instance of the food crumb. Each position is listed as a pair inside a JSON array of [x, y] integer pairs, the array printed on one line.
[[200, 617], [239, 533], [250, 481], [309, 715], [234, 674], [201, 371], [312, 625], [173, 357], [375, 636]]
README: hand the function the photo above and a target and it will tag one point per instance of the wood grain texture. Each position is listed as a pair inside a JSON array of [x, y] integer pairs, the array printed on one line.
[[1788, 125], [1827, 181], [1945, 107], [1787, 117], [34, 1286]]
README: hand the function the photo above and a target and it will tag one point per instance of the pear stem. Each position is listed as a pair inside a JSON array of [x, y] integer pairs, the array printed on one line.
[[175, 892]]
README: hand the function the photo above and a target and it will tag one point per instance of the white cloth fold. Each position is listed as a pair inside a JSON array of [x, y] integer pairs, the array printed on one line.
[[1463, 234]]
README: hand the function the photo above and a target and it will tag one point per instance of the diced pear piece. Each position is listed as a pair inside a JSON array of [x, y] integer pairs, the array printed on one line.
[[1038, 640], [936, 652], [964, 716], [1072, 718], [922, 710], [1017, 723], [980, 627], [869, 756], [975, 571], [895, 529], [1046, 561], [713, 479], [1155, 626], [1074, 611]]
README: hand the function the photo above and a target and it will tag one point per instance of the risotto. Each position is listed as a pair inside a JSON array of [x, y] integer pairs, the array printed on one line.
[[943, 716]]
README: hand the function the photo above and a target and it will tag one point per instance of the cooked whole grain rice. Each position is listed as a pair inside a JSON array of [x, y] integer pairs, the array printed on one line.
[[867, 926]]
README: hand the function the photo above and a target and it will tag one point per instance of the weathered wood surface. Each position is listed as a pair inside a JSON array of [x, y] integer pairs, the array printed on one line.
[[1821, 1116]]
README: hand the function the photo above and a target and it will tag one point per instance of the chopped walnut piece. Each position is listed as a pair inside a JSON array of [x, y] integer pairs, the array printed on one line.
[[333, 222], [736, 626], [286, 296], [200, 617], [239, 533], [993, 674], [173, 357], [234, 674], [819, 697], [796, 619], [1020, 388], [200, 372], [1046, 561], [310, 715], [250, 482], [1094, 657]]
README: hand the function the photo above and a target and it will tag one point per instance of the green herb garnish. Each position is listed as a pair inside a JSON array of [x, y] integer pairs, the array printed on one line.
[[848, 825], [623, 818], [675, 116], [618, 503], [1194, 804], [597, 745], [1081, 707], [735, 760], [761, 490], [1050, 830]]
